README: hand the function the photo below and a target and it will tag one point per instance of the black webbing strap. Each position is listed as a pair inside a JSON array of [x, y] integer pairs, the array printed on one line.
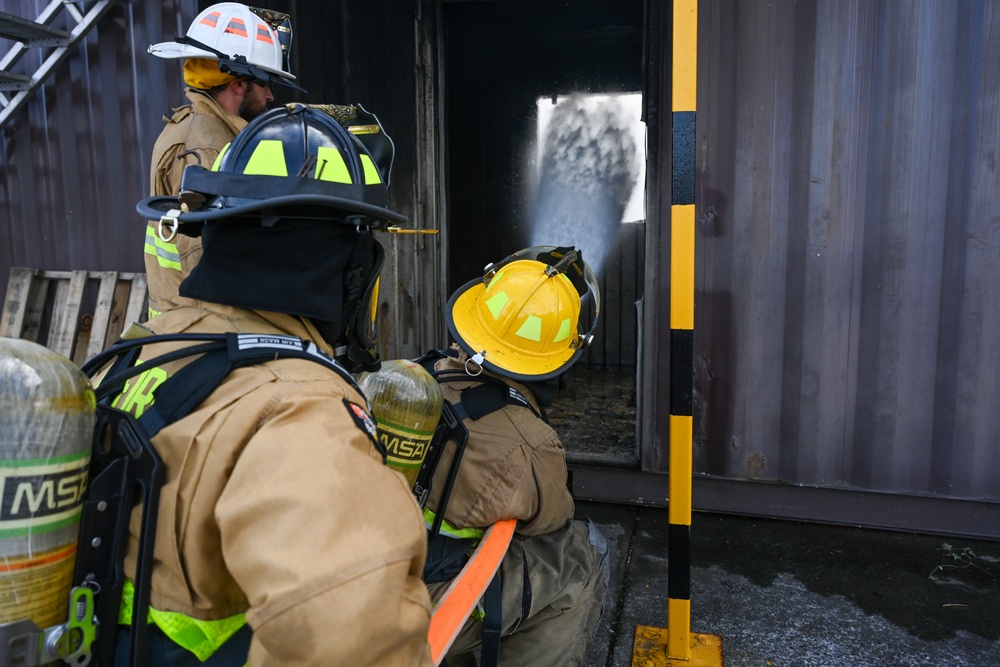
[[446, 556], [175, 398], [185, 390], [492, 623], [233, 653], [489, 395]]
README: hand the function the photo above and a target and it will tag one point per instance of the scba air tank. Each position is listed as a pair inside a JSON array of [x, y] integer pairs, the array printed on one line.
[[406, 403], [47, 415]]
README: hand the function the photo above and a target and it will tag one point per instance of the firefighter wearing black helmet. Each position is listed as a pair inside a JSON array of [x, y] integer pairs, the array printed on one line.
[[277, 514]]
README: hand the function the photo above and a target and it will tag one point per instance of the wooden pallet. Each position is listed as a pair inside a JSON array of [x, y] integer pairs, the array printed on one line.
[[79, 325]]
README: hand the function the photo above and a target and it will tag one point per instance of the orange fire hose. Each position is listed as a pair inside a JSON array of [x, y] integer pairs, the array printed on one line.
[[462, 595]]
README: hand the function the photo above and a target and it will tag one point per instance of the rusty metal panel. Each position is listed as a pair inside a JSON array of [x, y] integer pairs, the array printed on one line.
[[848, 246], [343, 52], [75, 159]]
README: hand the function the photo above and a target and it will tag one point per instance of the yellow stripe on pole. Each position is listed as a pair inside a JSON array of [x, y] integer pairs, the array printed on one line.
[[679, 512], [679, 638], [682, 267], [677, 646], [685, 67]]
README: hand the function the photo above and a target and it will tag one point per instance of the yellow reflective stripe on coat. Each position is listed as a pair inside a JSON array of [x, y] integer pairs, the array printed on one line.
[[203, 638], [166, 253], [449, 530]]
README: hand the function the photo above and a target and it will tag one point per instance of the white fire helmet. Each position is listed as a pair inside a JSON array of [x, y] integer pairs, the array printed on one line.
[[234, 32]]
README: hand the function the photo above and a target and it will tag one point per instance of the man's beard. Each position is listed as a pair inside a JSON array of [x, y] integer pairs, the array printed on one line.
[[249, 111]]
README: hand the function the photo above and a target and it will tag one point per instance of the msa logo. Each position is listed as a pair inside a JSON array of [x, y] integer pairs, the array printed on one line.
[[41, 495], [404, 448]]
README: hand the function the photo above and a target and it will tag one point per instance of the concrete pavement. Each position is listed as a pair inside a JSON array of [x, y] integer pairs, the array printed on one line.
[[787, 594]]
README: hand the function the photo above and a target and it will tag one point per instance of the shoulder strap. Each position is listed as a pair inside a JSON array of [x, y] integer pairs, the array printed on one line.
[[191, 385], [126, 469], [489, 395], [186, 389], [429, 359]]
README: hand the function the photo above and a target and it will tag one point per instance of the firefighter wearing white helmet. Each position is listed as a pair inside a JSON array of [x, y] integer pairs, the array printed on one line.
[[522, 324], [232, 55]]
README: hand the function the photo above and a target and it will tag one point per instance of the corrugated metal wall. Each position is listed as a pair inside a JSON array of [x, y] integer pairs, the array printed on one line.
[[848, 253], [848, 234], [75, 159]]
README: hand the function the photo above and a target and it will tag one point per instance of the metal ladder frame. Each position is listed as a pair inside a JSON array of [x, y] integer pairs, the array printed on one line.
[[39, 34]]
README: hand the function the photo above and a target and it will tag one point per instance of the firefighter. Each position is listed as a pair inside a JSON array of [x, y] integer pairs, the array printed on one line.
[[278, 521], [521, 323], [232, 55]]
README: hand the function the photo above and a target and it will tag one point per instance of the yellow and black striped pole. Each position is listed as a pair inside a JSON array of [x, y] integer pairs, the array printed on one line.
[[677, 645]]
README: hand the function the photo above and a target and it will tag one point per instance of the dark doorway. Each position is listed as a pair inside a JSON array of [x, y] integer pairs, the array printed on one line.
[[575, 71]]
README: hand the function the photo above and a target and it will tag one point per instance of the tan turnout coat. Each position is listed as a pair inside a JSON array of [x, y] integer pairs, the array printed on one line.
[[194, 135], [514, 467], [277, 504]]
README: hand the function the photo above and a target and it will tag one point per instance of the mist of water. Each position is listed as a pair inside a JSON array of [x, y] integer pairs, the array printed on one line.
[[588, 168]]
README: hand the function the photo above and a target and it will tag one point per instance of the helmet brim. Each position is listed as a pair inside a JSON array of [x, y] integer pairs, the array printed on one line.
[[310, 205], [463, 322], [173, 50]]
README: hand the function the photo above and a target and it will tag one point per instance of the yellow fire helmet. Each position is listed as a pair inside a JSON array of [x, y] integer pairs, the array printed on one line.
[[524, 318]]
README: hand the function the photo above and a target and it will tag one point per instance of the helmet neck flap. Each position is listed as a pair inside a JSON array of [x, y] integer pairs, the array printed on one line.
[[308, 268]]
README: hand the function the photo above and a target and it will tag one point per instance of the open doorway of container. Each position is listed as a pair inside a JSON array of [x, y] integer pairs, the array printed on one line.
[[544, 145]]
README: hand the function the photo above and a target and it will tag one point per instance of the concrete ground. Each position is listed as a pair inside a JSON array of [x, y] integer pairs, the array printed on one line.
[[786, 594]]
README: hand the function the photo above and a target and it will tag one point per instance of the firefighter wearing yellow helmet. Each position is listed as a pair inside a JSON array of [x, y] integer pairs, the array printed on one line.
[[518, 328]]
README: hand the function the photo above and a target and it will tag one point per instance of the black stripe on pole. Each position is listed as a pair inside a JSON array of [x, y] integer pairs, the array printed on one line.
[[682, 178], [681, 372], [679, 555]]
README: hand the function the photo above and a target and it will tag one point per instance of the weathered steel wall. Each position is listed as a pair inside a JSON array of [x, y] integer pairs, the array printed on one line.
[[368, 52], [848, 248], [75, 159], [848, 236]]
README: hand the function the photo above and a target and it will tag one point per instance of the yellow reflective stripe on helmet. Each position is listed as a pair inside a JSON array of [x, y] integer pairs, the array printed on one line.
[[330, 166], [565, 328], [496, 303], [531, 329], [218, 158], [268, 159], [371, 171], [496, 276], [166, 254], [203, 638], [373, 306], [449, 530]]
